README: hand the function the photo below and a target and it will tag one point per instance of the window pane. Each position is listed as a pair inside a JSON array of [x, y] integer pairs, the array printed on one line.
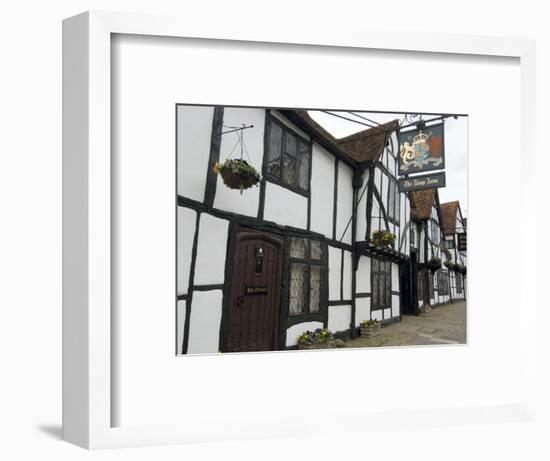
[[289, 170], [315, 289], [297, 288], [317, 250], [289, 159], [275, 147], [303, 165], [290, 144], [375, 291], [382, 290], [298, 248]]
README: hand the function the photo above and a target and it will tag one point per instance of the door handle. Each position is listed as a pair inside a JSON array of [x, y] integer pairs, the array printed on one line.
[[240, 300]]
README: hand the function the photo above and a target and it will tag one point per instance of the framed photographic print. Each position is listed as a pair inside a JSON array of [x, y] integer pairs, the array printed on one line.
[[258, 225]]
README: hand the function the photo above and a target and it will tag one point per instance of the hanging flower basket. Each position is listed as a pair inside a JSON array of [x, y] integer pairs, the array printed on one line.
[[434, 264], [237, 174], [383, 238], [448, 264], [460, 269]]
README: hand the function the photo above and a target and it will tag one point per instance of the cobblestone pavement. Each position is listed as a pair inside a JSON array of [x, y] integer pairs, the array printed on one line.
[[445, 324]]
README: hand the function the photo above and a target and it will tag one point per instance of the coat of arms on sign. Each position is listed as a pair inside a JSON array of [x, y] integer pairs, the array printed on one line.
[[421, 150]]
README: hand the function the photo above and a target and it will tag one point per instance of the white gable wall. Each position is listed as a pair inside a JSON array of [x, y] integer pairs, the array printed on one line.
[[339, 318], [347, 273], [362, 209], [322, 190], [285, 207], [334, 273], [344, 204], [186, 234], [193, 149], [362, 310], [363, 275], [181, 308], [211, 250], [204, 322]]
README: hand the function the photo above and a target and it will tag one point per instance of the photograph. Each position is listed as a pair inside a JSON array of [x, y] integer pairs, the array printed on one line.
[[302, 229]]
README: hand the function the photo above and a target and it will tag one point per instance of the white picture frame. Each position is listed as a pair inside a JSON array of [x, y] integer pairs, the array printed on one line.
[[87, 362]]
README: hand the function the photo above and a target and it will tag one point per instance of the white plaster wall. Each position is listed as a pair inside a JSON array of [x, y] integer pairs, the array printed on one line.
[[334, 273], [377, 177], [180, 324], [375, 213], [294, 332], [339, 318], [362, 310], [362, 210], [363, 275], [394, 277], [376, 315], [194, 135], [230, 199], [395, 305], [384, 191], [387, 314], [186, 233], [347, 274], [322, 190], [211, 250], [204, 322], [284, 206], [345, 202]]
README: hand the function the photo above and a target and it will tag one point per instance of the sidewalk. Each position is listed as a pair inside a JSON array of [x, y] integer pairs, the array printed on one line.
[[445, 324]]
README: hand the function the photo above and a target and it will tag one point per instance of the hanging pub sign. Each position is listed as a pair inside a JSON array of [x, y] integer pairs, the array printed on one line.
[[462, 245], [422, 149], [427, 181]]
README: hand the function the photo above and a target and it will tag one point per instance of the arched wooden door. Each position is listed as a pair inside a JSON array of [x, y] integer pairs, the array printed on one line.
[[255, 292]]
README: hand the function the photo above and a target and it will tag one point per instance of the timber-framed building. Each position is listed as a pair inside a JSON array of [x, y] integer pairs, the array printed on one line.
[[255, 270]]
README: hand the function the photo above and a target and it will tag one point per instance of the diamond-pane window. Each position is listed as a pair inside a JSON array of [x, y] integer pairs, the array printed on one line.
[[381, 284], [298, 288], [274, 152], [288, 157], [298, 248], [317, 250], [308, 276], [315, 289]]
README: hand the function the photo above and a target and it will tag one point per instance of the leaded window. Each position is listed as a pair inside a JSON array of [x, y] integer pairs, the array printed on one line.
[[308, 276], [393, 200], [381, 283], [288, 157], [443, 283], [458, 282]]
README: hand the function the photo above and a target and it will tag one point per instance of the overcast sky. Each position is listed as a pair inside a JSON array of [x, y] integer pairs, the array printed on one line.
[[456, 148]]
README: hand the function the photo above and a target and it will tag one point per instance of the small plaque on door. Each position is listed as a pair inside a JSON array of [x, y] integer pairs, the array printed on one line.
[[255, 291]]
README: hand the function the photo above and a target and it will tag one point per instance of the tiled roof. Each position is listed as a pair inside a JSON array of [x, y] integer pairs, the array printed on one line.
[[421, 204], [448, 216], [367, 145]]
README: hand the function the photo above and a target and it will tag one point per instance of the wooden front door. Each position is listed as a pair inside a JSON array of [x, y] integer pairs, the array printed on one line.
[[255, 292]]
